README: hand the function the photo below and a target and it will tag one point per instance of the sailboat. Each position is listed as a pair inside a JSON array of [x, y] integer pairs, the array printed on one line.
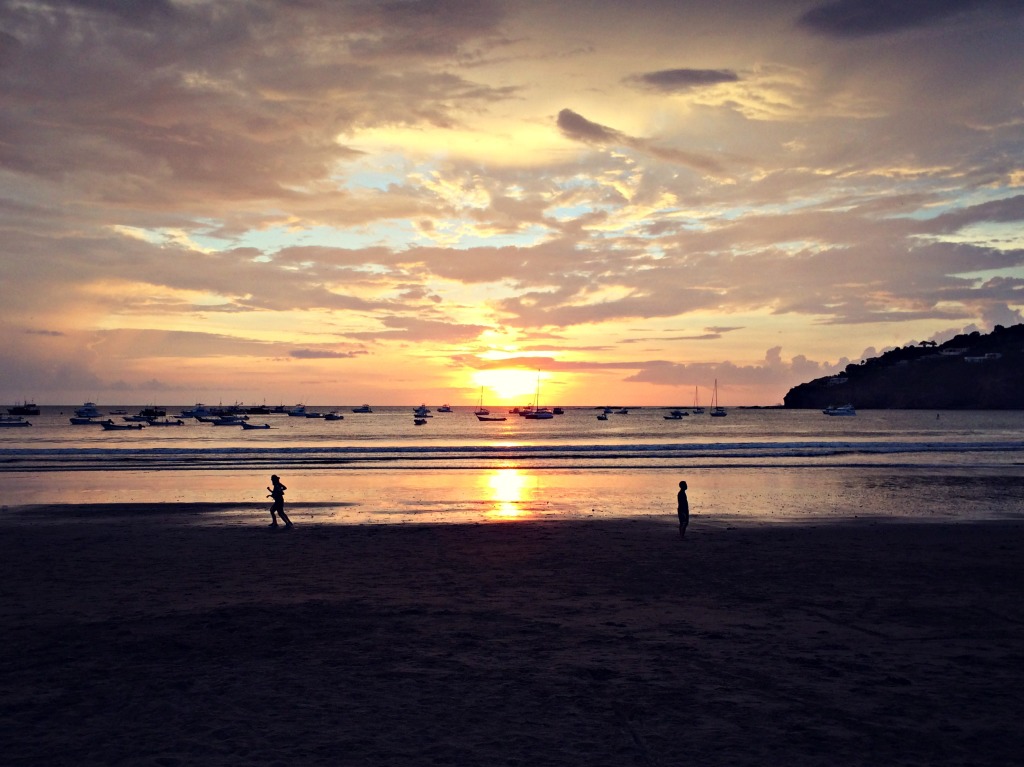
[[481, 410], [538, 413], [716, 410], [697, 409], [483, 414]]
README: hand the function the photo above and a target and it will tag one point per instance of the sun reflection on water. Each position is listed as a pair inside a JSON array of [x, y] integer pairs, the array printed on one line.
[[508, 494]]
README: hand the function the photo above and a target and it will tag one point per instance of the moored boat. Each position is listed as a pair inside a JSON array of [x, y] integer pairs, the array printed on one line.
[[25, 408], [717, 411], [362, 409], [88, 410], [846, 409], [111, 426], [13, 421]]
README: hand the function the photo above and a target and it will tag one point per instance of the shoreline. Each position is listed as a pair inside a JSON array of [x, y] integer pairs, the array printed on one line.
[[158, 638]]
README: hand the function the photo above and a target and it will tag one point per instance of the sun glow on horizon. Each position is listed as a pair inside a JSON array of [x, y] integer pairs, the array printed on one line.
[[508, 385]]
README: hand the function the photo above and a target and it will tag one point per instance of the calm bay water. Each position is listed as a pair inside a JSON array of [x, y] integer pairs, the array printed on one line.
[[381, 467]]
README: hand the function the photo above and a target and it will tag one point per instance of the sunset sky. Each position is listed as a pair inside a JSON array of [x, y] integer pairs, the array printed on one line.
[[401, 202]]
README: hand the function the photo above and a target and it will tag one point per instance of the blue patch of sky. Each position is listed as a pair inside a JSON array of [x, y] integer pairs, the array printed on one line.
[[393, 173], [396, 235], [957, 200]]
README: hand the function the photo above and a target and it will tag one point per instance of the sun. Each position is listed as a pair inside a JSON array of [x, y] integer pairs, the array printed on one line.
[[509, 385]]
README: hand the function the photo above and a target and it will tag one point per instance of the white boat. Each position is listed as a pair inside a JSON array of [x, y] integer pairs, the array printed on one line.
[[228, 419], [299, 411], [846, 409], [717, 411], [88, 410], [13, 421], [422, 412], [200, 410], [445, 409]]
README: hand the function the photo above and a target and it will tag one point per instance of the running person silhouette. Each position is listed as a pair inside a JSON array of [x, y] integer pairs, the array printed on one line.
[[277, 493]]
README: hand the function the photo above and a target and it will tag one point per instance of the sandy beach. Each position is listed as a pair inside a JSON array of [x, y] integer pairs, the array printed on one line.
[[147, 635]]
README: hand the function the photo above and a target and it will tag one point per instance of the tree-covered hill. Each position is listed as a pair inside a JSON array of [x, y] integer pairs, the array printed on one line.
[[973, 371]]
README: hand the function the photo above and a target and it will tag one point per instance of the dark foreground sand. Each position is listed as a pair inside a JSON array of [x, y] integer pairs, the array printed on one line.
[[149, 639]]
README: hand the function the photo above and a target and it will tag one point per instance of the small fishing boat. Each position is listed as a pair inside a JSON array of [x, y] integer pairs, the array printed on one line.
[[334, 417], [166, 422], [250, 426], [226, 420], [445, 409], [13, 421], [362, 409], [111, 426], [675, 415], [490, 417], [846, 409], [419, 421]]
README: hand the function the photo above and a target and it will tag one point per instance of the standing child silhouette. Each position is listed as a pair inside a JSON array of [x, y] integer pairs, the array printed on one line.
[[277, 493]]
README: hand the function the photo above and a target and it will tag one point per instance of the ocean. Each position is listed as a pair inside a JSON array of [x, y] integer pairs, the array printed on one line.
[[381, 467]]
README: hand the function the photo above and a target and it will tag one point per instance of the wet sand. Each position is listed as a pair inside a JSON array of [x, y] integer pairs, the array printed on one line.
[[152, 636]]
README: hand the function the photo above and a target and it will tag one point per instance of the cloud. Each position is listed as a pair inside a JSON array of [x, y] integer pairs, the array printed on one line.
[[864, 18], [324, 354], [416, 330], [682, 80], [298, 179], [51, 333], [578, 128]]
